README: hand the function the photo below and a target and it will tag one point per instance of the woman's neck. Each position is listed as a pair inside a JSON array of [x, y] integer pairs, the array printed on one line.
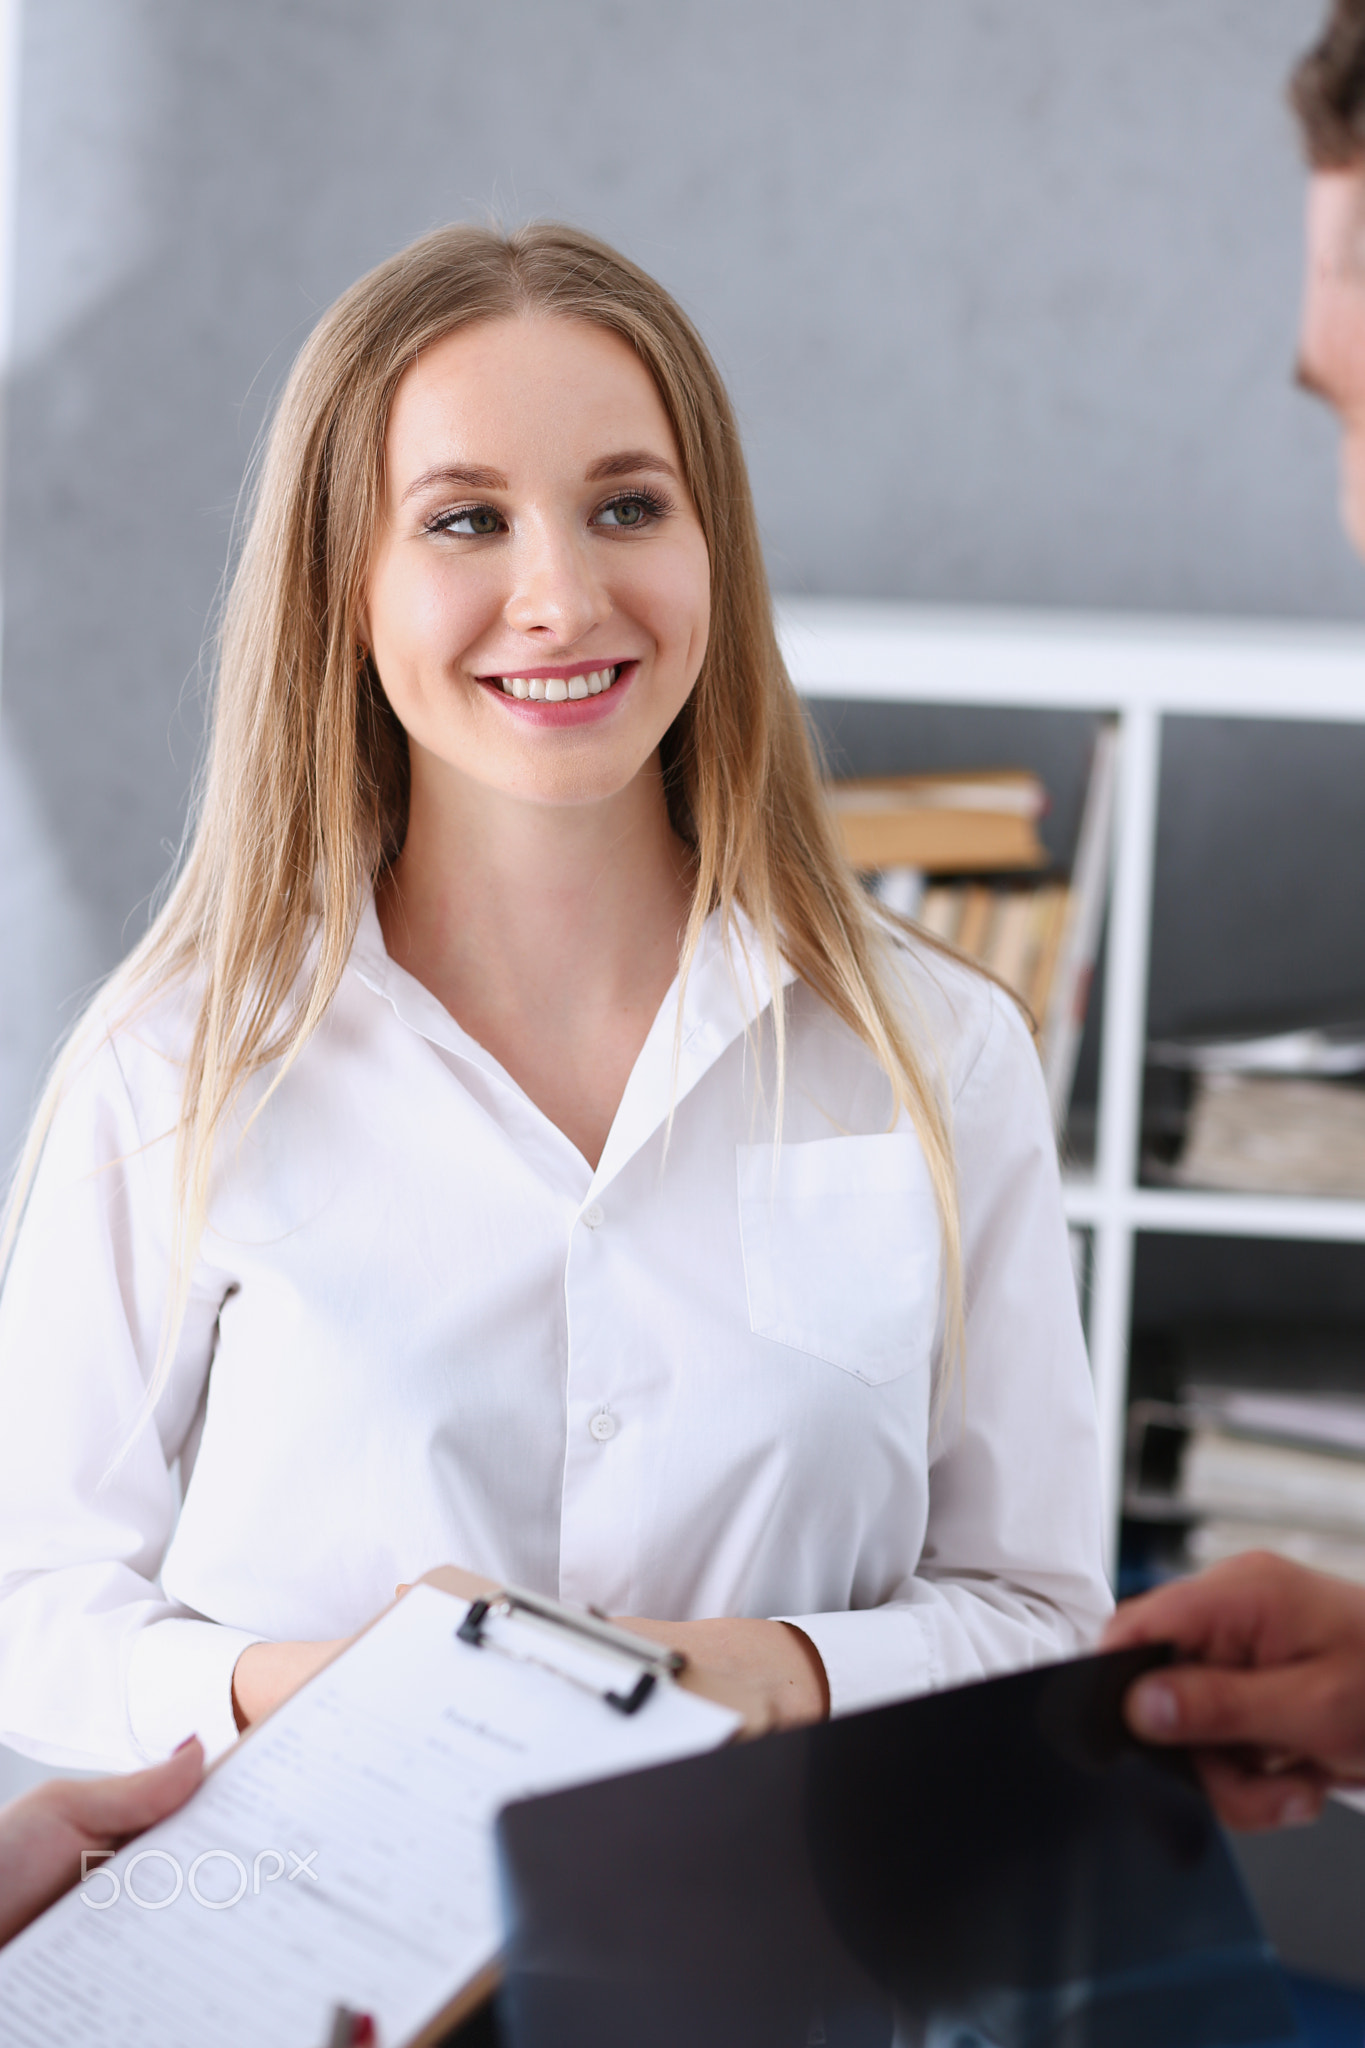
[[550, 933]]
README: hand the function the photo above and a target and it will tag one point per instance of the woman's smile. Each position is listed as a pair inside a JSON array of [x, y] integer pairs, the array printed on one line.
[[575, 694]]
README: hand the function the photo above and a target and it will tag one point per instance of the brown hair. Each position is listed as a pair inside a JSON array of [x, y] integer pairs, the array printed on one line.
[[1327, 90], [304, 799]]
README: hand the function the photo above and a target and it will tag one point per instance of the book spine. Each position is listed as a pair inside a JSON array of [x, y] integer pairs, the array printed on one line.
[[1069, 995]]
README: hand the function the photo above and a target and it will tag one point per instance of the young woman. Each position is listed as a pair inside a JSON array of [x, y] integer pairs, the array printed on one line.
[[518, 1142]]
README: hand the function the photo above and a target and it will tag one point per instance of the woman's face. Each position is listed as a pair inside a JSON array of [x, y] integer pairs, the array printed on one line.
[[539, 591]]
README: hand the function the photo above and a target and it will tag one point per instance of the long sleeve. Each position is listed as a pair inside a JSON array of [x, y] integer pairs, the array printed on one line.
[[1010, 1573], [98, 1669]]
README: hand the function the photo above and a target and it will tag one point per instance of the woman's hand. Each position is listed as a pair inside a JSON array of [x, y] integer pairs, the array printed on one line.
[[43, 1834], [767, 1670], [453, 1578], [267, 1673], [1269, 1691]]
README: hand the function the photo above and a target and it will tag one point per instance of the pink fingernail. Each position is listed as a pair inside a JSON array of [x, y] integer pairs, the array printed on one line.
[[184, 1745], [1297, 1812], [1155, 1708]]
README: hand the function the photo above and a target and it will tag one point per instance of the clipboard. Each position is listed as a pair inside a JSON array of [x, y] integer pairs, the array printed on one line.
[[652, 1661], [1000, 1865], [380, 1779], [746, 1701]]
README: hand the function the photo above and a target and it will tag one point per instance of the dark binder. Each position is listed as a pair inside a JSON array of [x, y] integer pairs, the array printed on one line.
[[999, 1866]]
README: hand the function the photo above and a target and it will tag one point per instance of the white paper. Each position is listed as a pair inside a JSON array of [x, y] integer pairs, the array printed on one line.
[[355, 1828], [1336, 1421], [1249, 1477]]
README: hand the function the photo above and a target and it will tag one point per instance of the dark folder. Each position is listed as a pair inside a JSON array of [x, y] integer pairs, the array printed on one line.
[[1000, 1864]]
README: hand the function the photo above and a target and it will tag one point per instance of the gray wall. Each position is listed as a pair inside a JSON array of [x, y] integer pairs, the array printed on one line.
[[1006, 295]]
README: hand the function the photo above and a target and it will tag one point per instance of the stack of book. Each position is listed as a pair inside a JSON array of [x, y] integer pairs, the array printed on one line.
[[1268, 1112], [1261, 1448], [942, 824], [960, 855]]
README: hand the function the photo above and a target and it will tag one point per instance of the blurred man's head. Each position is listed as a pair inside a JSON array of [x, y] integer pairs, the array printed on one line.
[[1328, 95]]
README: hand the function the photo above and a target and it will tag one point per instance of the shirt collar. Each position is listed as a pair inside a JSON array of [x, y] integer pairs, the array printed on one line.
[[728, 989], [412, 1001]]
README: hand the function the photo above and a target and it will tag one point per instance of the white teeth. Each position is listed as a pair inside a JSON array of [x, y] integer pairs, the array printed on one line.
[[558, 689]]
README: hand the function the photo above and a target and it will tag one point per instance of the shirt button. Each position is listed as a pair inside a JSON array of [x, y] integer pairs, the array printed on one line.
[[594, 1219], [603, 1427]]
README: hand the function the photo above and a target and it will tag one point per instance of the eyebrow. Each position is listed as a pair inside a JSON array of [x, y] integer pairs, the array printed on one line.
[[474, 477], [470, 475], [630, 463]]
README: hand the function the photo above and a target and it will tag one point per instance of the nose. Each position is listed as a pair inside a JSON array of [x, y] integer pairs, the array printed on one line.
[[556, 591]]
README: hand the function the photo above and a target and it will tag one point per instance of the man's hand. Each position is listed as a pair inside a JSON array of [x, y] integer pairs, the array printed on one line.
[[767, 1670], [1272, 1699], [267, 1673], [42, 1834]]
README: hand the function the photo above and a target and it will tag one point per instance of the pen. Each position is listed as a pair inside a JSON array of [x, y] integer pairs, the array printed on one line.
[[351, 2029]]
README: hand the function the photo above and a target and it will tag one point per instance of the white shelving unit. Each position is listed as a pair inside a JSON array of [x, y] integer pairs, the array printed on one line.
[[1144, 671]]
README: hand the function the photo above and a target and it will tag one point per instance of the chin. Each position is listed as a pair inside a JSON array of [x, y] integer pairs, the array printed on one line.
[[570, 786]]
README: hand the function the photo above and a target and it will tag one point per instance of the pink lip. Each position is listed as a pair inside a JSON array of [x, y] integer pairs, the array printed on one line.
[[574, 711]]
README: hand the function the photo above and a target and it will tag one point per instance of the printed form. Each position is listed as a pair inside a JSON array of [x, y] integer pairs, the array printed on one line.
[[344, 1853]]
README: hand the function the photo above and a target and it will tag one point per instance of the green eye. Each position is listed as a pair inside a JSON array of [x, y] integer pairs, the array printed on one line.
[[476, 522], [639, 509]]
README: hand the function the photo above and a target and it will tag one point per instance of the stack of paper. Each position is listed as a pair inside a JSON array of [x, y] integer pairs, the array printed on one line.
[[1258, 1134], [1276, 1471], [1273, 1112]]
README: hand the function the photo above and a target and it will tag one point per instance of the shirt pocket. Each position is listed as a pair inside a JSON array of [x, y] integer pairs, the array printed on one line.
[[842, 1250]]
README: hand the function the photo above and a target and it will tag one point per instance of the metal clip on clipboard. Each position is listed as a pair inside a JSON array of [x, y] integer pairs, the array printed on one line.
[[657, 1660]]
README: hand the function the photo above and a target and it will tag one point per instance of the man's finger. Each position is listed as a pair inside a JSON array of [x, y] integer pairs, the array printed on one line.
[[1252, 1801], [1226, 1614], [1312, 1708]]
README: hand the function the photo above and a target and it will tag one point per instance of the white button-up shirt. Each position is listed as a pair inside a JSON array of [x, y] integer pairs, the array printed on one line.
[[422, 1329]]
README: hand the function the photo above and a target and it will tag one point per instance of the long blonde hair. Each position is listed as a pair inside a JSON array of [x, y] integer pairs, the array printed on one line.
[[303, 801]]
